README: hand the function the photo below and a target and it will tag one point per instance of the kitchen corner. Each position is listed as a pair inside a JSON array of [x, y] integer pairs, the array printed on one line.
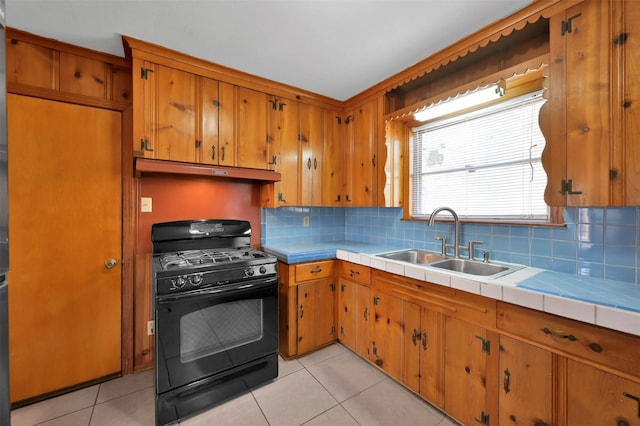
[[605, 302]]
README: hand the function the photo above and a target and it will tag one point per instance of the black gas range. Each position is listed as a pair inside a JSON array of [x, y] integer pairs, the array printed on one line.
[[216, 313]]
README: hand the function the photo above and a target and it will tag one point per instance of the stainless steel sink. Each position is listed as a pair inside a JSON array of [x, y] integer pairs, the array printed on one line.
[[413, 256], [474, 268]]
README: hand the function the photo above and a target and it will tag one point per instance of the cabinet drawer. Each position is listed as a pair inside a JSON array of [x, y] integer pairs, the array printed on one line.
[[314, 270], [605, 347], [455, 303], [358, 273]]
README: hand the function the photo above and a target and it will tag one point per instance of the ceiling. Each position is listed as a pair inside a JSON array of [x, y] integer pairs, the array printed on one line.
[[336, 48]]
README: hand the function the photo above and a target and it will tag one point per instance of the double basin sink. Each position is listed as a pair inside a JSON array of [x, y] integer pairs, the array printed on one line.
[[464, 266]]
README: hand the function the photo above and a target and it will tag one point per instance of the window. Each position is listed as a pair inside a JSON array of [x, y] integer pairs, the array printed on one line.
[[485, 164]]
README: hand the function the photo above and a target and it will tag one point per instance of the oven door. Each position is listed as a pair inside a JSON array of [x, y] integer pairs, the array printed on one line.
[[202, 333]]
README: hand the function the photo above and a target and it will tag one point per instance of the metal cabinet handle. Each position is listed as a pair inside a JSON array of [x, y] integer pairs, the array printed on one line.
[[222, 154], [414, 337], [110, 263], [309, 163], [316, 271], [366, 314], [506, 381], [213, 152], [354, 272], [635, 398], [301, 311], [315, 164], [570, 337], [424, 340]]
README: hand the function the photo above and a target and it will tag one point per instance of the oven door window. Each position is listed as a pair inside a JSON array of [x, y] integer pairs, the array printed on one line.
[[219, 328]]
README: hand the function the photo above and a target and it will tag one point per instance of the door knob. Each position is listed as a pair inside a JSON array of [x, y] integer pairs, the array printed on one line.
[[111, 263]]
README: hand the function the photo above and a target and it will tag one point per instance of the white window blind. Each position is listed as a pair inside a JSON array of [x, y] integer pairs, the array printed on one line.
[[485, 164]]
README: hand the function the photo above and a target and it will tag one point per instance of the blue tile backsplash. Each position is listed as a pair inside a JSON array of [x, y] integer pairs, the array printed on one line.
[[596, 242]]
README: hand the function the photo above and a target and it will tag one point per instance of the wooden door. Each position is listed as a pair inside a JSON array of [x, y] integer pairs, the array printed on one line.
[[333, 169], [175, 125], [595, 397], [431, 350], [465, 366], [311, 154], [526, 384], [348, 313], [316, 314], [363, 325], [283, 137], [388, 334], [251, 129], [65, 223]]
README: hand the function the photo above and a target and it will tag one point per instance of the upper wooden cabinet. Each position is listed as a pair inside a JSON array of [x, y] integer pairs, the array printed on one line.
[[216, 139], [311, 154], [283, 140], [362, 155], [591, 157], [251, 129], [334, 157]]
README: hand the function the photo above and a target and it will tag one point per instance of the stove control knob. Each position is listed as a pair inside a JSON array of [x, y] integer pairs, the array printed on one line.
[[263, 270], [195, 279], [249, 272], [180, 282]]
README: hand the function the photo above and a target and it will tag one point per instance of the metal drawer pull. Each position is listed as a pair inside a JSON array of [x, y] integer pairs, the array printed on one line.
[[424, 340], [558, 335], [316, 271], [635, 398], [414, 337], [506, 382], [354, 272]]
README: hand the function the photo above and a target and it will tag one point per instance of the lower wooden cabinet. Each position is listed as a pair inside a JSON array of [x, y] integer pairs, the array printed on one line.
[[470, 356], [595, 397], [526, 384], [353, 316], [307, 307]]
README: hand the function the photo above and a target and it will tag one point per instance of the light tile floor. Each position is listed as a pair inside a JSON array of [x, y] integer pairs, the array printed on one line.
[[331, 387]]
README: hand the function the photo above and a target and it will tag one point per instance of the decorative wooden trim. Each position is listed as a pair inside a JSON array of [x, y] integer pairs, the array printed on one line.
[[534, 64], [481, 38], [135, 48], [146, 165]]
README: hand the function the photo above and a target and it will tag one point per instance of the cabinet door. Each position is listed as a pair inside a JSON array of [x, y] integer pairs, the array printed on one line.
[[526, 387], [283, 135], [209, 101], [466, 362], [361, 156], [431, 348], [333, 183], [388, 334], [175, 126], [311, 154], [251, 129], [353, 316], [595, 397], [578, 111], [316, 314]]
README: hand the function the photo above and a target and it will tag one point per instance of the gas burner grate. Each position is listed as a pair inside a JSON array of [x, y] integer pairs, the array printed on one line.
[[191, 258]]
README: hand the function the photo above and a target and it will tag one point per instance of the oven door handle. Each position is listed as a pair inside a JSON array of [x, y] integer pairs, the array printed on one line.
[[218, 291]]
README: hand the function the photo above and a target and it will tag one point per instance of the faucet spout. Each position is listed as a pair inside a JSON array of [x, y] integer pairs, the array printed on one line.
[[456, 229]]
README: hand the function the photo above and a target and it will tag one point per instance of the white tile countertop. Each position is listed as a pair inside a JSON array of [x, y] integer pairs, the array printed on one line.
[[607, 303]]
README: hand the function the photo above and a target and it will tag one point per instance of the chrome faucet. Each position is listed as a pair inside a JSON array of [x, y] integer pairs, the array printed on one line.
[[456, 229]]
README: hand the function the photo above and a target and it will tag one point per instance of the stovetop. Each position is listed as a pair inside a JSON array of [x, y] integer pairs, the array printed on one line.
[[195, 258]]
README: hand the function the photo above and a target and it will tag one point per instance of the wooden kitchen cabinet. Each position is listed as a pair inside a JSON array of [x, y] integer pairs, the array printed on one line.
[[216, 140], [307, 307], [334, 158], [389, 333], [595, 397], [311, 154], [589, 121], [283, 140], [361, 156], [526, 384], [354, 310], [251, 129], [470, 364]]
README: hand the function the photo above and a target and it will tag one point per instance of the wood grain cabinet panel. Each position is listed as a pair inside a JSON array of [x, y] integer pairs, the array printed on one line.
[[283, 140], [333, 175], [354, 311], [307, 316], [595, 397], [361, 158], [312, 161], [31, 64], [83, 76], [526, 384], [609, 348], [591, 157], [251, 128]]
